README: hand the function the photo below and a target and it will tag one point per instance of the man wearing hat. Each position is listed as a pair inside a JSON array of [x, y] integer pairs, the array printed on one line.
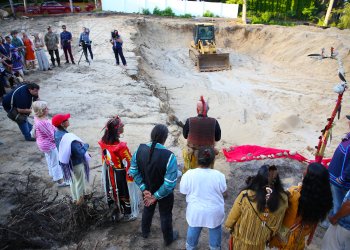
[[199, 131], [72, 156], [339, 172]]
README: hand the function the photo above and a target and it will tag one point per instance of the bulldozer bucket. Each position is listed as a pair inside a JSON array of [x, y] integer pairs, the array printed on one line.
[[213, 62]]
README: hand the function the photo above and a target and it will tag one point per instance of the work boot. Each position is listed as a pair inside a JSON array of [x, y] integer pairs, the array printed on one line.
[[73, 62], [66, 62]]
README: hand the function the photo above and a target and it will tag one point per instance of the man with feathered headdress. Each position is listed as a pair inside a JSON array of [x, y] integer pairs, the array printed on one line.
[[199, 131]]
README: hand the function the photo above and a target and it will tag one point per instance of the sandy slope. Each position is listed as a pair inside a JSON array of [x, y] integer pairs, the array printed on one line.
[[274, 96]]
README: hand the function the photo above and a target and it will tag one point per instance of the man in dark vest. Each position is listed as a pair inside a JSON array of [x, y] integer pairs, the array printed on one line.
[[199, 131], [154, 169]]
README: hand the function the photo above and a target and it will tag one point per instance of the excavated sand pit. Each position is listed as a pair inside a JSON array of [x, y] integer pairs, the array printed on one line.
[[274, 96]]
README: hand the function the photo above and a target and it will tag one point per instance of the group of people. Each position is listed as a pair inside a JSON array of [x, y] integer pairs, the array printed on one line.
[[17, 55], [263, 214]]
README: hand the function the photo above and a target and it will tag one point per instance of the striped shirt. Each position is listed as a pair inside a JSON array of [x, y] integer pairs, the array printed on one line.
[[44, 133]]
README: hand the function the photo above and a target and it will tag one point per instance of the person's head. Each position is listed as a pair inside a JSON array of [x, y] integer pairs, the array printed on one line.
[[36, 35], [86, 30], [315, 197], [159, 134], [113, 129], [64, 27], [14, 33], [267, 178], [202, 107], [8, 39], [33, 89], [61, 121], [206, 156], [49, 29], [40, 109], [24, 35]]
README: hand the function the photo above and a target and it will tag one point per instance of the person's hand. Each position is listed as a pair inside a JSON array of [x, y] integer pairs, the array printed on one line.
[[146, 194], [149, 201], [337, 180], [333, 220]]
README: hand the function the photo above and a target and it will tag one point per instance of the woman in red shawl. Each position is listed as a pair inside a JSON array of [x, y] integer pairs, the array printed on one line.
[[120, 189]]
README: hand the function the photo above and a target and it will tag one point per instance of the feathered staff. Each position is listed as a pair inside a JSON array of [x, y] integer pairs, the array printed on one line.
[[326, 132]]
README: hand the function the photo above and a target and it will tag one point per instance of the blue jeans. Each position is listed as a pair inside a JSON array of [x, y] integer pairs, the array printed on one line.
[[338, 195], [193, 236], [25, 128]]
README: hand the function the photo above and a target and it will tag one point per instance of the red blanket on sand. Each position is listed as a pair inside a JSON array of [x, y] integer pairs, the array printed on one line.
[[254, 152]]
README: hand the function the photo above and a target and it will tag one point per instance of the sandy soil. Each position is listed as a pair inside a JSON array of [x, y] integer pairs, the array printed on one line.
[[274, 96]]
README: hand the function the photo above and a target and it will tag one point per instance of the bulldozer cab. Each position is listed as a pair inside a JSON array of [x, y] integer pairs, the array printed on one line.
[[203, 32]]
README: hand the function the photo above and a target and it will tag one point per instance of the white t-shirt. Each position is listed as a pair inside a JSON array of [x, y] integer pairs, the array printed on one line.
[[205, 203]]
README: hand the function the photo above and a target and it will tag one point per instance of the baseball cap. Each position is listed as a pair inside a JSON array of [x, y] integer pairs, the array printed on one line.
[[59, 118]]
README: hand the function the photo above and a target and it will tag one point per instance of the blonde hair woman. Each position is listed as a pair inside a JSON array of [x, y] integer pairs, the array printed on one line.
[[44, 133]]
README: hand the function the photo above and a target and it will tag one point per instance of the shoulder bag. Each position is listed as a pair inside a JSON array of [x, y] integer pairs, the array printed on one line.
[[13, 114]]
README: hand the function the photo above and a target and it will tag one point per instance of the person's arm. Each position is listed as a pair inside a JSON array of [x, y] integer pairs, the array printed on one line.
[[343, 211], [24, 111], [217, 131], [79, 149], [70, 37], [136, 174], [235, 212], [46, 40], [125, 156], [186, 129], [170, 179], [345, 173], [184, 184]]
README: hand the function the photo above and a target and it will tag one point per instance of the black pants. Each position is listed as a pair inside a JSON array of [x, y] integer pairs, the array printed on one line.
[[53, 58], [119, 51], [117, 189], [87, 47], [166, 217], [2, 83], [67, 49]]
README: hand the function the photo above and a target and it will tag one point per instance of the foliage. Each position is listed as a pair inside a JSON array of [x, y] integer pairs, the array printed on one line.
[[207, 13], [234, 1], [345, 17], [146, 12], [310, 12], [167, 12], [186, 16]]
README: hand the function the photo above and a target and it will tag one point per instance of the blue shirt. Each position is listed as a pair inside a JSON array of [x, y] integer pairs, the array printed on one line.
[[117, 44], [84, 37], [345, 221], [170, 176], [78, 149], [65, 37], [22, 98], [339, 167], [5, 50]]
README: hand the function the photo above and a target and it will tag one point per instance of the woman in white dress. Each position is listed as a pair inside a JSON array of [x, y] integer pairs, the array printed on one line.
[[40, 53]]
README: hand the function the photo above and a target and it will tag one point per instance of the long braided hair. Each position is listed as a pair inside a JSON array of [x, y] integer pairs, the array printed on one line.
[[159, 134], [113, 129]]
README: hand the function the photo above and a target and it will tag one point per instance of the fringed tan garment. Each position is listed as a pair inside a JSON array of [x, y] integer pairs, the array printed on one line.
[[248, 232]]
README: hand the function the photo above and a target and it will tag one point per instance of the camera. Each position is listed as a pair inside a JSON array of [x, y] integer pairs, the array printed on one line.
[[114, 34]]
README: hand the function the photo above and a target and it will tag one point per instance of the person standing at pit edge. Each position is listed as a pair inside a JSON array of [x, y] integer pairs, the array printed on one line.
[[73, 157], [117, 43], [66, 39], [85, 42], [51, 42], [154, 169], [199, 131]]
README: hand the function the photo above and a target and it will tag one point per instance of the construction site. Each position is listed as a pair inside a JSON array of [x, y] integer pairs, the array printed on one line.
[[269, 92]]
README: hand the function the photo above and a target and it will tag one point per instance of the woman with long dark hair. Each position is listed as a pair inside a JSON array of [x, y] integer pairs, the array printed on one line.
[[258, 211], [119, 187], [204, 188], [154, 169], [309, 203]]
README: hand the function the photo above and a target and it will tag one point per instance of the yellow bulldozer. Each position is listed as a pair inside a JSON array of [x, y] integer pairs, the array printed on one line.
[[203, 50]]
